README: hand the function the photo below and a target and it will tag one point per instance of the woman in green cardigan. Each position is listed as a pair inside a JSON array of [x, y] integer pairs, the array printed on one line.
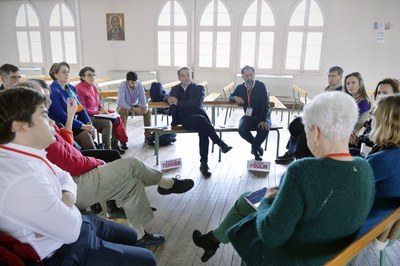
[[320, 204]]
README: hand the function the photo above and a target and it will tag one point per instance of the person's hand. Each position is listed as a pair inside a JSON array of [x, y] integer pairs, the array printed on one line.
[[354, 138], [263, 125], [137, 110], [103, 110], [71, 107], [172, 100], [68, 198], [238, 99], [89, 128], [271, 193], [145, 109]]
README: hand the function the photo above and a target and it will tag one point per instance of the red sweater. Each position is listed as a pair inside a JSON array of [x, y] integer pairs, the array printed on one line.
[[65, 156]]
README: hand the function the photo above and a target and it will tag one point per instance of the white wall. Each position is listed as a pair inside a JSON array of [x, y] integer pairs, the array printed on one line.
[[349, 40]]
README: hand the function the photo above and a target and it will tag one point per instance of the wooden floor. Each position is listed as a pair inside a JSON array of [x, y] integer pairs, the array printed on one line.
[[207, 203]]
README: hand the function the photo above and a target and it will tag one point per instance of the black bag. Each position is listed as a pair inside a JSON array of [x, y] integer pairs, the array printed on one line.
[[157, 94], [165, 139]]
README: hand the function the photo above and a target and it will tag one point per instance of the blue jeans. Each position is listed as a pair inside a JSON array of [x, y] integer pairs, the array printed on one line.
[[246, 124], [102, 242]]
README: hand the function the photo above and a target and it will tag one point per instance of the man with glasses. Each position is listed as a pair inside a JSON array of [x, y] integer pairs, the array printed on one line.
[[9, 75]]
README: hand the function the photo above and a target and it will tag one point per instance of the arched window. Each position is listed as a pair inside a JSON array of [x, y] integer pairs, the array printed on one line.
[[305, 34], [258, 32], [172, 35], [63, 35], [29, 37], [215, 36]]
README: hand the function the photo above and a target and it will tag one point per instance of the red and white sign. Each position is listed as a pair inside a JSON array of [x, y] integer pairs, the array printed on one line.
[[260, 166], [170, 164]]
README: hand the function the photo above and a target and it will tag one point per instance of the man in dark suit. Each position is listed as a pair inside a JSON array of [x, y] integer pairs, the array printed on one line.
[[186, 101]]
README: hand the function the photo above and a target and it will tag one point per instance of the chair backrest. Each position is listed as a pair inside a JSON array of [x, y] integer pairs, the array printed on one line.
[[168, 86], [384, 227], [227, 90]]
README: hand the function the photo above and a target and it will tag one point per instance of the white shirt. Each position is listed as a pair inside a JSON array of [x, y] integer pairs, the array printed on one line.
[[30, 200]]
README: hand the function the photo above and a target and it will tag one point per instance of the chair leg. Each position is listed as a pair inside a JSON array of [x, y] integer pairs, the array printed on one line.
[[382, 257]]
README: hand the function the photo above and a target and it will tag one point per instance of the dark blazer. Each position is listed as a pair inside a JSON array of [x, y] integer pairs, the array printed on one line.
[[190, 102]]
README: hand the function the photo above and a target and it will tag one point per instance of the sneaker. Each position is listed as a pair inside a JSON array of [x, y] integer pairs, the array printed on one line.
[[150, 240], [96, 208], [204, 170], [124, 146], [179, 186], [117, 213], [224, 147]]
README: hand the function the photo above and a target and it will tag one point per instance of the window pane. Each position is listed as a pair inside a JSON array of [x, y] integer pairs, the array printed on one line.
[[248, 48], [32, 18], [315, 18], [223, 49], [298, 16], [56, 46], [180, 49], [68, 21], [179, 15], [206, 49], [266, 50], [164, 19], [21, 17], [250, 18], [36, 46], [207, 19], [55, 17], [313, 51], [70, 47], [267, 17], [223, 15], [293, 54], [23, 47], [164, 48]]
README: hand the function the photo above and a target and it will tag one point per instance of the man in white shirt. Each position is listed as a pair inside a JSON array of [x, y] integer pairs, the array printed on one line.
[[37, 203]]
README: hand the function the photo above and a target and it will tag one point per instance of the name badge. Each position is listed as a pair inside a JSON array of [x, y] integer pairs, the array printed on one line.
[[249, 111], [261, 166], [170, 164]]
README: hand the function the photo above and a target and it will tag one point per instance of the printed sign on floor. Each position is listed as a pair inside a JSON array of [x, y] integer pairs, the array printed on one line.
[[261, 166], [170, 164]]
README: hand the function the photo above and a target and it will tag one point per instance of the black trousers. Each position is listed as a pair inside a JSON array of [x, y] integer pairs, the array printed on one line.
[[203, 126]]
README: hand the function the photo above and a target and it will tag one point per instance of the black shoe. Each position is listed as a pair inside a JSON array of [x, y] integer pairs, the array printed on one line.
[[287, 155], [206, 242], [153, 209], [259, 150], [117, 213], [124, 147], [96, 208], [149, 141], [224, 147], [150, 240], [257, 157], [284, 160], [117, 148], [204, 170], [179, 186]]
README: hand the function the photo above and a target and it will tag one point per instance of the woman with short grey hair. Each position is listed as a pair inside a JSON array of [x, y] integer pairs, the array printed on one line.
[[319, 206]]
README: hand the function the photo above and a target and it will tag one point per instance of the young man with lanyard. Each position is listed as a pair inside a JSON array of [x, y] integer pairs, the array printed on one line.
[[186, 101], [132, 101], [253, 95], [37, 206]]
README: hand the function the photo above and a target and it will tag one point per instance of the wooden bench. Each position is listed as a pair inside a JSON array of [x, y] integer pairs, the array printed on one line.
[[177, 130], [381, 229]]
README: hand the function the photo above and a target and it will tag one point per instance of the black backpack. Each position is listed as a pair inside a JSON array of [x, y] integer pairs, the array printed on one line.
[[157, 94], [165, 139]]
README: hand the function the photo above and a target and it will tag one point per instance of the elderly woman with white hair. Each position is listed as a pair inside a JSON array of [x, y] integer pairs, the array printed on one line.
[[321, 202]]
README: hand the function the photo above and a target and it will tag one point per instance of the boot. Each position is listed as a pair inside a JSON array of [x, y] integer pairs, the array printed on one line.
[[208, 242], [224, 147]]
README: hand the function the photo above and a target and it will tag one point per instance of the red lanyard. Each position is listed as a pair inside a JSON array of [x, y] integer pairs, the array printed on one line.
[[29, 154], [338, 154], [248, 96]]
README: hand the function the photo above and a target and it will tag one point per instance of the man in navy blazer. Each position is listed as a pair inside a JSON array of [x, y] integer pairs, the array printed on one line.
[[186, 108]]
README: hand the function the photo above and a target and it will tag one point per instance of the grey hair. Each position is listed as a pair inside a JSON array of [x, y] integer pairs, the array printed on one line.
[[336, 68], [335, 113]]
